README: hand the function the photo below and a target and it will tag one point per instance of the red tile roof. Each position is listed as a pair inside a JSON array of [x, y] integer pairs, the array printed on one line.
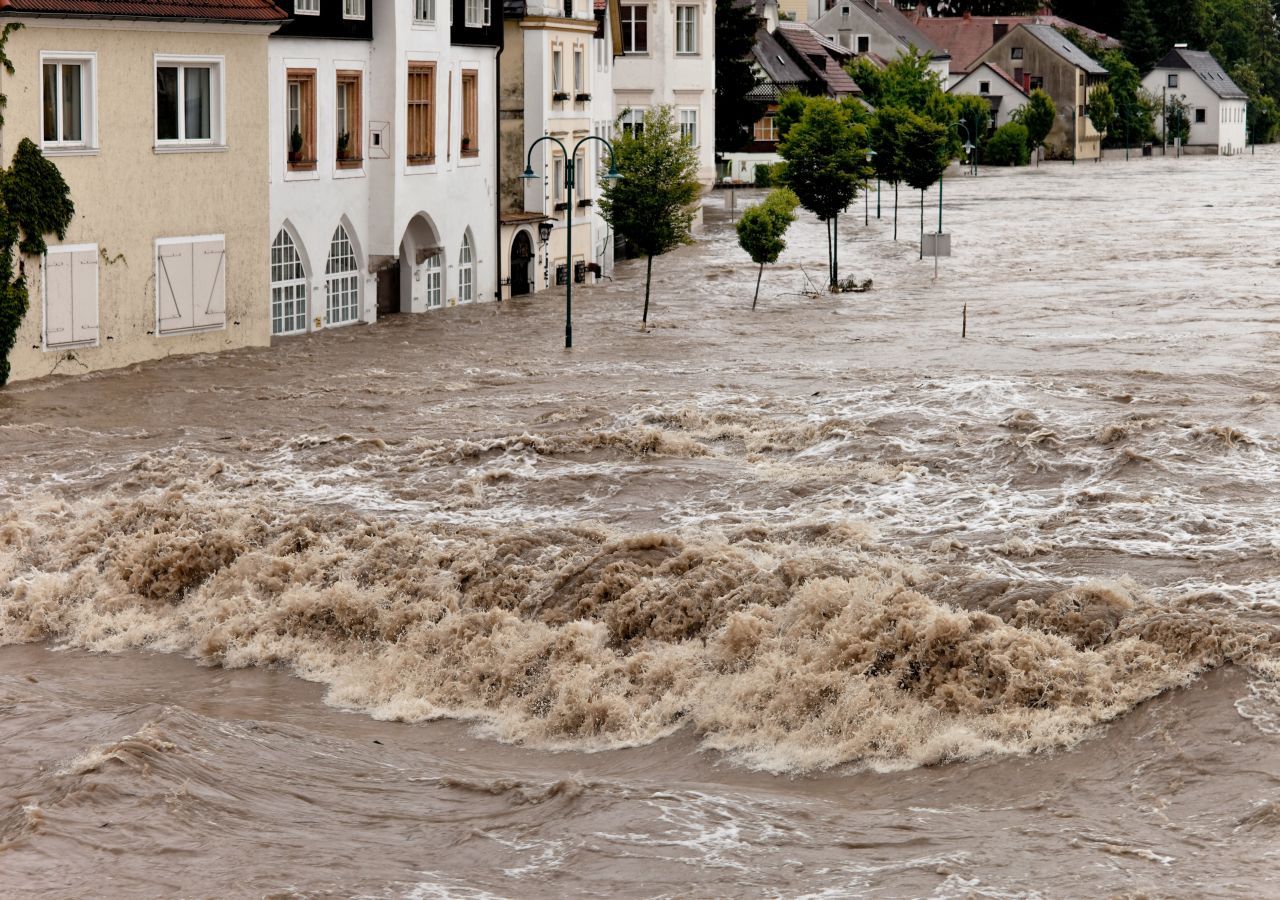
[[212, 10], [968, 37]]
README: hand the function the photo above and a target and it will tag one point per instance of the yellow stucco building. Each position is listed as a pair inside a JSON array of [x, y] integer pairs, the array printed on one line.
[[156, 115]]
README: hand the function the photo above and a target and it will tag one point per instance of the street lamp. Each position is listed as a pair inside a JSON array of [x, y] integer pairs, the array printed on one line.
[[866, 192], [569, 182]]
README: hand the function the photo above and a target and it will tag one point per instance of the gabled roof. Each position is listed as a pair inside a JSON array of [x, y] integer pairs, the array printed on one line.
[[893, 21], [968, 37], [1053, 39], [1206, 68], [796, 56], [995, 70], [240, 11]]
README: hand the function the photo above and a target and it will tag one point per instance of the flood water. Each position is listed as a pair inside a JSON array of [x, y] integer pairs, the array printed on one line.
[[820, 600]]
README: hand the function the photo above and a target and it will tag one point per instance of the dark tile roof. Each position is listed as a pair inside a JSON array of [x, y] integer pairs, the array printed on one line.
[[894, 21], [1207, 68], [968, 37], [211, 10], [822, 57]]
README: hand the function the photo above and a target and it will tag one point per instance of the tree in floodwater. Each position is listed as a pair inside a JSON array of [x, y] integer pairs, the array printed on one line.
[[653, 204], [761, 230], [925, 147], [1102, 110], [825, 155], [885, 139], [1037, 117]]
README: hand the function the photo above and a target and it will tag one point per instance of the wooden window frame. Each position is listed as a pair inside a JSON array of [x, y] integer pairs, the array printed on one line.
[[354, 80], [306, 78], [470, 139], [426, 119]]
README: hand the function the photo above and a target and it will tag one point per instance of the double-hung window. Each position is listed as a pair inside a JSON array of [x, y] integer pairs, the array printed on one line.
[[300, 103], [424, 11], [421, 114], [470, 112], [631, 121], [635, 28], [686, 30], [348, 119], [306, 7], [353, 9], [188, 101], [579, 72], [476, 13], [689, 125], [67, 101]]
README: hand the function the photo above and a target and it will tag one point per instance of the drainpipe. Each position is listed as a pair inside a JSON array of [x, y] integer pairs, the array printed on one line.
[[497, 166]]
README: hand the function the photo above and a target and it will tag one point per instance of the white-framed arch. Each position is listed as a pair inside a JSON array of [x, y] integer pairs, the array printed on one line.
[[467, 268], [290, 282], [342, 277], [421, 265]]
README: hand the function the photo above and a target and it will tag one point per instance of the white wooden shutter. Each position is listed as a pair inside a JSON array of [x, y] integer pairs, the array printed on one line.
[[209, 283], [175, 310], [57, 298], [84, 283]]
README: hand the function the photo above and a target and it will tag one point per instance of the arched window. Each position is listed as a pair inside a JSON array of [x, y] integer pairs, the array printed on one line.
[[288, 287], [466, 271], [342, 281], [432, 277]]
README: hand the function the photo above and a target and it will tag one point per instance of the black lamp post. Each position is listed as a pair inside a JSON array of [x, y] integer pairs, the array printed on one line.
[[569, 182]]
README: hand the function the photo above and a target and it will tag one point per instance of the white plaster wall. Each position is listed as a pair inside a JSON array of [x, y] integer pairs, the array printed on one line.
[[313, 204], [1012, 98], [1230, 135]]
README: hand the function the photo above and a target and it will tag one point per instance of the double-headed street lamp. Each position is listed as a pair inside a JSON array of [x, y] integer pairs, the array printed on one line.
[[569, 182], [969, 148]]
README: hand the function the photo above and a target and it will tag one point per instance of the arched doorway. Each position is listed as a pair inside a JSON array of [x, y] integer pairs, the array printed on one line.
[[418, 275], [521, 263]]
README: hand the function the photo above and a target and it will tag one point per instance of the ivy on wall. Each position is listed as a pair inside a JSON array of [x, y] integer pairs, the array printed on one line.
[[34, 201]]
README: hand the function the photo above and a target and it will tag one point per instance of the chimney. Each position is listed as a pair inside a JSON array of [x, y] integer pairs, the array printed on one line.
[[967, 15], [999, 30]]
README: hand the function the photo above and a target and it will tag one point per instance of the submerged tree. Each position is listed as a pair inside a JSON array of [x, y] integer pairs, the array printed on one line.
[[925, 157], [1102, 110], [1037, 117], [761, 229], [886, 141], [825, 154], [653, 204]]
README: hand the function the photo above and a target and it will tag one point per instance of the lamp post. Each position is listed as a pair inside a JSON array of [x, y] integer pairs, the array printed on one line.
[[866, 193], [569, 182], [968, 149]]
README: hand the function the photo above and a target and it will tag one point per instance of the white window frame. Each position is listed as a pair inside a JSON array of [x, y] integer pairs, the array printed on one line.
[[161, 331], [433, 280], [690, 112], [71, 250], [299, 283], [476, 13], [217, 113], [424, 12], [629, 118], [467, 270], [306, 7], [629, 28], [88, 101], [687, 31], [353, 9], [341, 290]]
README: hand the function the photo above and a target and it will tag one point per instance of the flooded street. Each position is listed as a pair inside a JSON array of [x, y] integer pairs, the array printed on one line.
[[820, 600]]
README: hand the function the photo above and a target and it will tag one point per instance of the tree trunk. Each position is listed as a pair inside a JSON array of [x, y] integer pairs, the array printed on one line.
[[830, 248], [759, 275], [648, 279], [835, 251], [895, 210]]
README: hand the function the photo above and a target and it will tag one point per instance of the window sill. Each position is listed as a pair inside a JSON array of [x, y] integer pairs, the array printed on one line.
[[644, 53], [687, 54], [304, 165], [69, 151], [470, 154], [340, 174], [353, 163], [421, 25], [420, 161], [191, 148]]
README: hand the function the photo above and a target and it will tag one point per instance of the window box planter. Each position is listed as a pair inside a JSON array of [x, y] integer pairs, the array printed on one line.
[[585, 202], [351, 162], [561, 206], [421, 160], [583, 98], [560, 96]]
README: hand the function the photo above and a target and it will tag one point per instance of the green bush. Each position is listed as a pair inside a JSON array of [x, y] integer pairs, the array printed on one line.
[[769, 175], [1008, 146]]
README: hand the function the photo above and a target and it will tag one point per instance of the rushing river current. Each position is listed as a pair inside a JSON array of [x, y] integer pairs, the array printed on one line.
[[819, 600]]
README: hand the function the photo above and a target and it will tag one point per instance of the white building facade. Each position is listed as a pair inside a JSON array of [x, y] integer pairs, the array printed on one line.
[[1217, 107], [997, 87], [383, 160], [878, 28], [668, 58]]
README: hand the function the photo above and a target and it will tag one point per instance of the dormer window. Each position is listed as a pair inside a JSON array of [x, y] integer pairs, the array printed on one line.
[[306, 7], [353, 9], [476, 13]]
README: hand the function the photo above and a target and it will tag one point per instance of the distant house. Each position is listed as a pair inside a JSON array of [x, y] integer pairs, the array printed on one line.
[[1038, 56], [966, 38], [788, 56], [997, 87], [876, 27], [1217, 107]]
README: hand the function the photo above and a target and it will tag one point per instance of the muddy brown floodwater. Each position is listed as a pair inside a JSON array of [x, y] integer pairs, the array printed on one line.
[[816, 601]]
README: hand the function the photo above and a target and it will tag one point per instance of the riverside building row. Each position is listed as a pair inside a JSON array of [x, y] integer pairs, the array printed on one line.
[[376, 173]]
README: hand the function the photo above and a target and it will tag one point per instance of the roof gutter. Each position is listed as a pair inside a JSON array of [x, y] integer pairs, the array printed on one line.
[[7, 10]]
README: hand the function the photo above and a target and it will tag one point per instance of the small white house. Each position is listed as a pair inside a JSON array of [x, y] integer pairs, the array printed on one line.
[[997, 87], [878, 28], [1217, 107]]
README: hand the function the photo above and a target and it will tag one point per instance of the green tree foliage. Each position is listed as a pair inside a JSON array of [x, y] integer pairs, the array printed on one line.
[[825, 153], [762, 227], [907, 82], [736, 26], [1102, 109], [1143, 43], [1037, 117], [1135, 109], [1177, 120], [1264, 115], [974, 113], [1008, 146], [791, 107], [652, 206], [926, 152], [886, 143]]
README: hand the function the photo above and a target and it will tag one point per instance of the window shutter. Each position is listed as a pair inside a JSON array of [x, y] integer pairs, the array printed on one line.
[[58, 312], [173, 288], [84, 283], [209, 283]]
